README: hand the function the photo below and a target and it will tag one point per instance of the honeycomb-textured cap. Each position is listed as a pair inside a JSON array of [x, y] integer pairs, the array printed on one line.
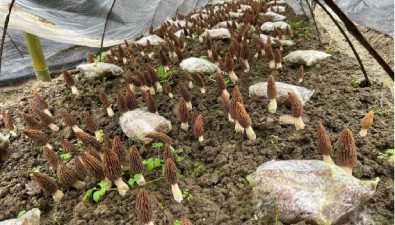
[[41, 103], [296, 105], [93, 166], [79, 166], [346, 153], [30, 121], [183, 111], [367, 121], [167, 154], [167, 87], [51, 156], [228, 63], [236, 97], [152, 73], [244, 50], [137, 166], [269, 53], [209, 42], [277, 56], [324, 145], [68, 78], [67, 117], [143, 207], [198, 126], [164, 61], [242, 116], [300, 72], [184, 91], [171, 172], [118, 149], [159, 136], [111, 164], [7, 120], [90, 123], [198, 80], [103, 98], [121, 102], [39, 137], [87, 139], [66, 176], [271, 87], [44, 118], [46, 183], [225, 103]]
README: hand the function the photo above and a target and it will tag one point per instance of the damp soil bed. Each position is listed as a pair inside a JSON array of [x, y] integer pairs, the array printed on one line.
[[213, 172]]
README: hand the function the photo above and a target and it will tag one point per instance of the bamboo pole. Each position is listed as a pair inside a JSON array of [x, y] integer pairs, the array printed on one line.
[[36, 54]]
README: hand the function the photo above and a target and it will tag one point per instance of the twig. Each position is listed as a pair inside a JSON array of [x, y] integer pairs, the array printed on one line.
[[104, 31], [357, 34], [13, 43], [367, 82], [315, 23], [7, 19]]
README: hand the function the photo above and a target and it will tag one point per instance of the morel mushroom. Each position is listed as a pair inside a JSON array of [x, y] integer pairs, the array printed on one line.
[[137, 166], [140, 49], [226, 106], [151, 103], [48, 185], [155, 78], [221, 84], [366, 122], [68, 146], [167, 154], [277, 59], [198, 128], [188, 78], [162, 137], [131, 80], [118, 149], [39, 137], [300, 74], [297, 110], [79, 166], [92, 125], [164, 61], [324, 145], [44, 118], [106, 103], [68, 177], [167, 89], [260, 48], [70, 82], [51, 157], [92, 165], [245, 121], [346, 154], [122, 55], [9, 125], [113, 170], [41, 103], [30, 121], [92, 151], [171, 176], [244, 52], [229, 68], [69, 120], [185, 94], [87, 140], [272, 94], [270, 56], [183, 114], [121, 102], [199, 82], [148, 81], [236, 97], [144, 208], [209, 45], [149, 49]]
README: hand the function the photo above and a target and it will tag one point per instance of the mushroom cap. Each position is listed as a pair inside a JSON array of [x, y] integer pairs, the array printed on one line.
[[209, 42], [66, 175], [111, 164], [159, 136], [134, 80], [131, 101], [171, 172], [118, 149], [296, 105], [30, 121], [244, 50], [324, 145], [137, 166], [68, 78], [271, 87], [367, 121], [167, 88], [167, 154], [198, 126], [220, 81], [236, 97], [92, 151], [150, 101], [87, 139], [121, 52], [107, 142], [242, 116], [121, 101], [68, 118], [277, 55], [198, 80], [93, 166], [46, 183], [147, 79], [41, 103], [225, 103], [346, 154], [152, 73], [269, 52], [193, 116], [228, 62], [148, 46], [44, 118], [183, 111], [39, 137], [143, 207], [300, 71], [164, 61], [92, 125], [7, 120], [187, 76], [103, 98], [51, 156], [185, 221], [184, 91], [82, 172]]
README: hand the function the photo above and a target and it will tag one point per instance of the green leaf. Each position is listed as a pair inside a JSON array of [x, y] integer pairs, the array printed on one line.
[[161, 71], [157, 144], [131, 182], [87, 195], [390, 151], [21, 213], [180, 158], [203, 57], [98, 194], [150, 164], [103, 184], [176, 222], [66, 155], [157, 162], [137, 176]]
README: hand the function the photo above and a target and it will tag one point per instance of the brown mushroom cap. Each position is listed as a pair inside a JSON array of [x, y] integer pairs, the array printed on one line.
[[7, 120], [269, 53], [198, 126], [198, 80], [152, 73], [111, 164], [82, 173], [118, 149], [93, 166], [164, 61], [103, 98], [148, 46], [143, 207], [107, 142], [185, 221], [183, 111], [121, 52], [228, 62], [244, 50], [346, 154], [137, 166], [68, 78], [92, 151], [184, 91], [167, 88], [46, 183], [271, 87], [159, 136], [300, 72], [187, 76], [277, 56], [151, 103], [51, 156], [41, 103], [209, 42], [367, 121], [30, 121], [225, 103], [87, 139], [171, 172], [39, 137], [121, 102], [91, 124], [220, 81], [296, 105], [66, 175], [324, 145], [44, 118], [167, 154], [236, 97], [147, 79], [131, 101], [68, 118], [242, 116]]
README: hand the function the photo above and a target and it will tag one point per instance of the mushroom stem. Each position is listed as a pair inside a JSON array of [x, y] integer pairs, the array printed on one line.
[[13, 131], [348, 170], [184, 126], [256, 55], [48, 145], [124, 60], [166, 68], [152, 90], [144, 88], [189, 105], [210, 53], [327, 158], [272, 107], [132, 87], [190, 84], [76, 129], [150, 55], [79, 184], [53, 127], [171, 95], [272, 65], [176, 192], [150, 223], [58, 195], [142, 54], [98, 136], [233, 77], [203, 90], [363, 132], [298, 123], [238, 127], [110, 112], [141, 181], [247, 65], [74, 90], [250, 133], [48, 112], [226, 93], [279, 65], [158, 87], [300, 80], [122, 186], [230, 118]]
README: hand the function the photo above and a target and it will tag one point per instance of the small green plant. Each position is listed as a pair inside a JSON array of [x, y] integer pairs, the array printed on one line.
[[96, 192], [36, 169], [180, 159], [152, 163], [176, 222], [203, 57], [66, 155], [273, 140], [103, 55], [186, 194], [100, 134], [386, 154], [378, 109], [20, 214], [164, 75], [157, 145], [133, 179], [227, 81]]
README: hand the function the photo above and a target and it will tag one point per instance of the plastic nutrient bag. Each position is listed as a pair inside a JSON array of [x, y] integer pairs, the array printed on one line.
[[198, 65], [31, 217], [100, 70], [269, 26], [284, 42], [216, 34], [153, 39], [306, 57], [136, 123], [275, 16], [312, 191], [260, 90]]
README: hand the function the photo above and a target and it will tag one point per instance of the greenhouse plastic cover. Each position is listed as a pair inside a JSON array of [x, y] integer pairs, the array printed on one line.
[[77, 23]]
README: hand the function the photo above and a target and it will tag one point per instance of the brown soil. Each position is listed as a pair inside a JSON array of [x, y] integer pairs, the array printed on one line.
[[214, 171]]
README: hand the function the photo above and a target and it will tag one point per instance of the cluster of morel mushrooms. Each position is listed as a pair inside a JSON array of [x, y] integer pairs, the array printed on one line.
[[106, 159]]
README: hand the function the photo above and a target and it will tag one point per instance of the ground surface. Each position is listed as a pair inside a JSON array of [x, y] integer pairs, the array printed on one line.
[[213, 171]]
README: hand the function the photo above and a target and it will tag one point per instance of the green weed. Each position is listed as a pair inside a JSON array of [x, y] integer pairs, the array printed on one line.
[[96, 192]]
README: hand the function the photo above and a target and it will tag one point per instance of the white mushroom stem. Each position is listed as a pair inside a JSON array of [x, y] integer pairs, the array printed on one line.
[[110, 112], [327, 158], [298, 123], [201, 139], [158, 87], [210, 53], [250, 133], [74, 90], [141, 181], [238, 127], [53, 127], [272, 107], [347, 169], [166, 68], [256, 55], [203, 90], [176, 192], [47, 112], [230, 118], [13, 131], [98, 136], [152, 90], [76, 129], [122, 186], [272, 65], [279, 65], [190, 84], [150, 223], [184, 126], [247, 65], [233, 76], [144, 88], [58, 195], [189, 105], [225, 92], [171, 95], [142, 54], [363, 132], [150, 55], [300, 80], [201, 39], [132, 87], [263, 52], [124, 60], [48, 145], [79, 184]]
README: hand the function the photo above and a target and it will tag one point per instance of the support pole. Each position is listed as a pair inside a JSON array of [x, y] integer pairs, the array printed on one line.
[[36, 54]]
